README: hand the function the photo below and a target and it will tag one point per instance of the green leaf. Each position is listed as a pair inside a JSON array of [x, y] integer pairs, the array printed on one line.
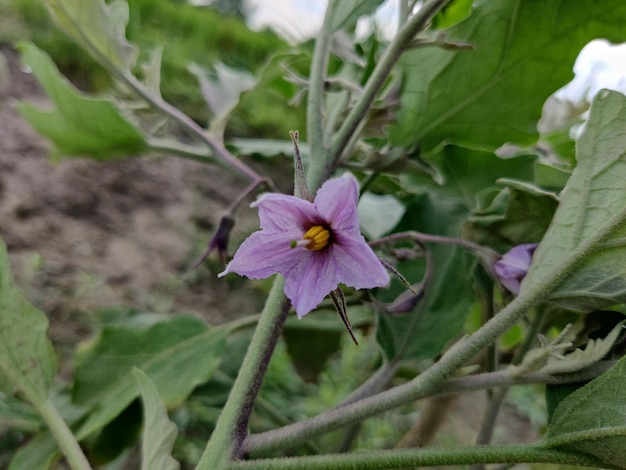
[[589, 227], [98, 28], [159, 433], [221, 91], [516, 214], [449, 295], [27, 360], [311, 344], [81, 125], [177, 353], [466, 172], [38, 454], [453, 13], [581, 419], [346, 13], [493, 94], [595, 350]]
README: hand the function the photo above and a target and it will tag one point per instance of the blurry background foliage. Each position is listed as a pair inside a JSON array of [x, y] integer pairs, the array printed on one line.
[[194, 35]]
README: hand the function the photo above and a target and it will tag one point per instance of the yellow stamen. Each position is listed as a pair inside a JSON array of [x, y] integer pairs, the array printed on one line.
[[318, 237]]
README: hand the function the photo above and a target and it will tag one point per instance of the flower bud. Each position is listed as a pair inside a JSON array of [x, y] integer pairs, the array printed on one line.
[[512, 267]]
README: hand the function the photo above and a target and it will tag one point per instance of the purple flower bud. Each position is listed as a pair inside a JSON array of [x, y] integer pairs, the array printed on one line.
[[219, 242], [512, 267]]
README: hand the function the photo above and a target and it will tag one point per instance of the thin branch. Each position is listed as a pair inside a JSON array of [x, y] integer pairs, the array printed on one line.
[[420, 238], [190, 152], [413, 26]]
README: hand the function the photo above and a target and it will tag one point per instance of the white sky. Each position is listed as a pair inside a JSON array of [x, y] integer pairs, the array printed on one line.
[[300, 20]]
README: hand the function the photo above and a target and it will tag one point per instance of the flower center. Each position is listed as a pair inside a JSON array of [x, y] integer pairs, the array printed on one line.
[[314, 239]]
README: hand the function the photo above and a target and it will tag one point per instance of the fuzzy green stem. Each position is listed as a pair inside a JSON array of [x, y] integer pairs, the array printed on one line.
[[376, 81], [231, 427], [62, 434], [402, 458], [318, 158]]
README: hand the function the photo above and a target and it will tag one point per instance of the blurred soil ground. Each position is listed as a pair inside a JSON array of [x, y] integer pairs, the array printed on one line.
[[83, 235]]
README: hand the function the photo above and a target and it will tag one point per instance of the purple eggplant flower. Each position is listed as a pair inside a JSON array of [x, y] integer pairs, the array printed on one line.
[[314, 245], [512, 267]]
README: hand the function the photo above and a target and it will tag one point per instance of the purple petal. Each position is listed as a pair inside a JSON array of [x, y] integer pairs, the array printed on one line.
[[263, 254], [336, 202], [307, 283], [357, 265], [280, 213]]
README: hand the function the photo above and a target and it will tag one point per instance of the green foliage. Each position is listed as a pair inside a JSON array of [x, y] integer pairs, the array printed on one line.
[[99, 28], [452, 14], [189, 35], [344, 15], [165, 349], [27, 360], [591, 420], [482, 98], [159, 433], [81, 124], [590, 219]]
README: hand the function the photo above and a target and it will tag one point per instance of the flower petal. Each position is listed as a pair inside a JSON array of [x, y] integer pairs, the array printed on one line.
[[336, 202], [307, 283], [357, 264], [280, 213], [264, 253]]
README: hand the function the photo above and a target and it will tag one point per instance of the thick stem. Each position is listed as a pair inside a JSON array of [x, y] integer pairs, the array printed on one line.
[[315, 124], [232, 425], [63, 435], [402, 458], [335, 418], [380, 74]]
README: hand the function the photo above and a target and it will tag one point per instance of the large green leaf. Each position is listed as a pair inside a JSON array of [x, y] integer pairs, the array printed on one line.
[[466, 172], [98, 27], [512, 217], [581, 419], [159, 433], [177, 354], [38, 454], [27, 360], [346, 13], [80, 125], [523, 51], [590, 223]]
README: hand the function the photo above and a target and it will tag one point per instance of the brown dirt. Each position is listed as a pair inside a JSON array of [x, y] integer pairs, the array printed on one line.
[[83, 235]]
